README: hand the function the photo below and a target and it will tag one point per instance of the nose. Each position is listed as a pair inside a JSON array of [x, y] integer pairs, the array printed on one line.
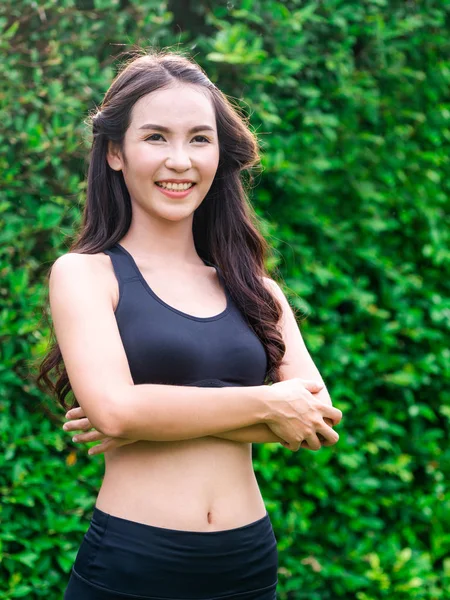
[[178, 159]]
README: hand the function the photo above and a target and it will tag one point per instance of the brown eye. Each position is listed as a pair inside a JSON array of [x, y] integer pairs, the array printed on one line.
[[153, 134]]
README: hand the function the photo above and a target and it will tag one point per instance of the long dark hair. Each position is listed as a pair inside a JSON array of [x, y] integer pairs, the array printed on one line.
[[225, 226]]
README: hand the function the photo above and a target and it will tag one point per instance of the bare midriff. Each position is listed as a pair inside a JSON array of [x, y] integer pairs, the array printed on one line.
[[203, 484]]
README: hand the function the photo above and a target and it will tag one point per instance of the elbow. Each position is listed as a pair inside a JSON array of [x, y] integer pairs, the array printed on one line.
[[107, 425], [110, 422], [111, 428], [114, 424]]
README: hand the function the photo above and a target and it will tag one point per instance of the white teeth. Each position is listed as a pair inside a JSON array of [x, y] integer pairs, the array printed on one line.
[[176, 187]]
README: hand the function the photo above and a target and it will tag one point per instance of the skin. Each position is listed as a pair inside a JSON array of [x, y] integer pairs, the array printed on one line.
[[201, 484]]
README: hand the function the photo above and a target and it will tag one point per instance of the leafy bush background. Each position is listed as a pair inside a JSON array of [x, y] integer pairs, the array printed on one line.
[[351, 103]]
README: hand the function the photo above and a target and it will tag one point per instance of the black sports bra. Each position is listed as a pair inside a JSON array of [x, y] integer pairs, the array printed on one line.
[[167, 346]]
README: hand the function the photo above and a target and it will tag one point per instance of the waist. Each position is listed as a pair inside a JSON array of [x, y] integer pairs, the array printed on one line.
[[192, 485]]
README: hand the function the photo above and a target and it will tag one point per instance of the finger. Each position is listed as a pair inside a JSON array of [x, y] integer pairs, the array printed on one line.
[[332, 412], [107, 444], [292, 447], [325, 441], [313, 442], [79, 424], [90, 436], [312, 385], [327, 435], [75, 413]]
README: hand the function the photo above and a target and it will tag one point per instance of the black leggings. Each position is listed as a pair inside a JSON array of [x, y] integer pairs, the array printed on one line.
[[120, 559]]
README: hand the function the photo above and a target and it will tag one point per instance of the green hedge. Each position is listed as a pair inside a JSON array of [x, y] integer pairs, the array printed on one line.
[[351, 104]]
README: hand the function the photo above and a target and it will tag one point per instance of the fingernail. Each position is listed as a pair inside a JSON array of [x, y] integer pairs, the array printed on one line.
[[65, 426], [74, 439]]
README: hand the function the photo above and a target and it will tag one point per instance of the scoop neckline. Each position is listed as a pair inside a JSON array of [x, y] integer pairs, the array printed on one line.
[[172, 308]]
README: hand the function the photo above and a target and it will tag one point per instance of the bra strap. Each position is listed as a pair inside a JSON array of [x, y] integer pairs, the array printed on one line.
[[122, 265], [221, 279]]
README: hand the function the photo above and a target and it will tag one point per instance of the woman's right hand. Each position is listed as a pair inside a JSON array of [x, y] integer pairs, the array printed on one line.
[[297, 417]]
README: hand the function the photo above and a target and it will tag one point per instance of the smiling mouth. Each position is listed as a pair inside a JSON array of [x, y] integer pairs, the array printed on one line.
[[175, 187]]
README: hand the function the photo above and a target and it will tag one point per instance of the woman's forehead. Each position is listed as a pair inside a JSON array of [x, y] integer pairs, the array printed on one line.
[[179, 107]]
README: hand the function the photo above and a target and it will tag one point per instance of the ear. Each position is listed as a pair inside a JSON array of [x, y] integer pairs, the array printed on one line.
[[114, 156]]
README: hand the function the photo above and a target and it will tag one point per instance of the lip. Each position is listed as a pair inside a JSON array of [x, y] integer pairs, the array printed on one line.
[[173, 194]]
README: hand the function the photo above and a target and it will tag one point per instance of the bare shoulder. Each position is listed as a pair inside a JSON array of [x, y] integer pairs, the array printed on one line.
[[273, 287], [87, 269], [97, 263], [270, 283]]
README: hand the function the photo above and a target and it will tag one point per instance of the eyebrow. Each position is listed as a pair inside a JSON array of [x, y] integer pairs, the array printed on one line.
[[167, 130]]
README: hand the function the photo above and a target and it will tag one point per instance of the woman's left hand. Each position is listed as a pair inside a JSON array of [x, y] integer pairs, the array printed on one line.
[[77, 420]]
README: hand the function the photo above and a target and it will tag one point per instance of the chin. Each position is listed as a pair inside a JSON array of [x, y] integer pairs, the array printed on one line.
[[177, 214]]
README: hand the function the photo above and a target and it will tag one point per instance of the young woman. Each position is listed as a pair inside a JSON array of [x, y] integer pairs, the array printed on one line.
[[170, 331]]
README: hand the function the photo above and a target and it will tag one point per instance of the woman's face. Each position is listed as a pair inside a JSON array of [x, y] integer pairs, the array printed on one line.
[[153, 155]]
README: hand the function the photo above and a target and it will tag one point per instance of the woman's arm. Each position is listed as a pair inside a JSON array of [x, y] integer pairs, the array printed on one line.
[[165, 413], [254, 434], [297, 362], [78, 422]]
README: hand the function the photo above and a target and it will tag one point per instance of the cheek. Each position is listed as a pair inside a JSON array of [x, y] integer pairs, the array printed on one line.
[[143, 162], [210, 163]]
